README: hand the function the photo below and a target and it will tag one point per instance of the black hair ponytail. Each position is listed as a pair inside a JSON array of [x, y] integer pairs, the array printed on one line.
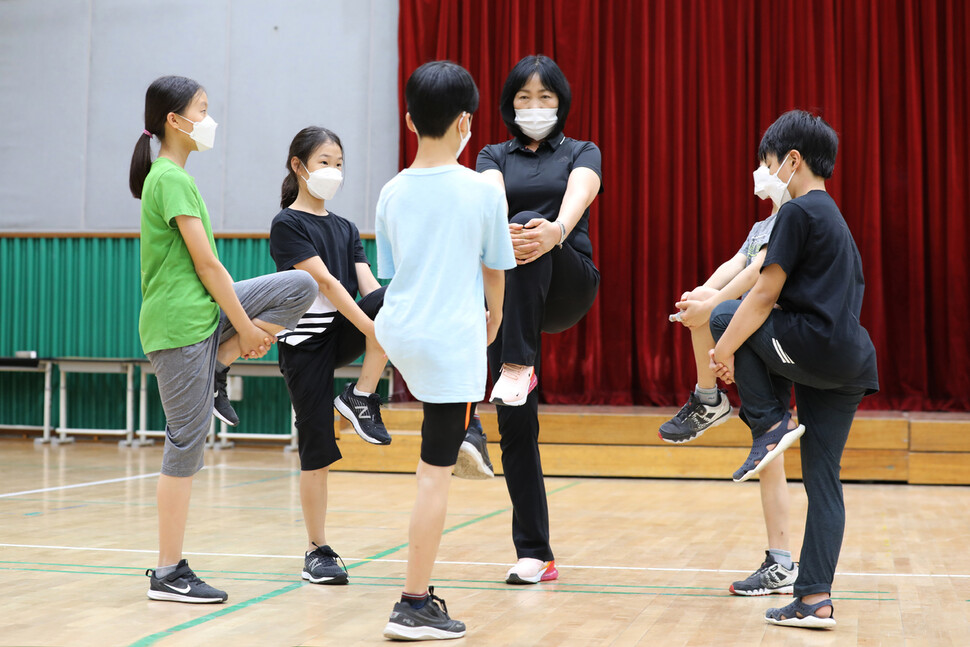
[[166, 94], [302, 147]]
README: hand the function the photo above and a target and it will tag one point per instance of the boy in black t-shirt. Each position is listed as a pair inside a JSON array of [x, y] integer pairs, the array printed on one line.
[[800, 325]]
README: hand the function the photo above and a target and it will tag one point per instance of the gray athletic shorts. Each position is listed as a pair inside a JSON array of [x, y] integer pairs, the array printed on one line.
[[186, 375]]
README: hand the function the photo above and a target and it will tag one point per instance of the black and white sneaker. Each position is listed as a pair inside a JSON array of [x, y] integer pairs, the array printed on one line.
[[321, 567], [364, 413], [772, 577], [695, 418], [222, 408], [430, 622], [183, 585], [473, 462]]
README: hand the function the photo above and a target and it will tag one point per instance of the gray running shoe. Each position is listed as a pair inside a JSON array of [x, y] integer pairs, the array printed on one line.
[[430, 622], [694, 418], [320, 567], [183, 585], [473, 461], [772, 577]]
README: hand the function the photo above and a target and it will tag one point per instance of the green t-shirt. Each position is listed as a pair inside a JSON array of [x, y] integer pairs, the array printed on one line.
[[176, 308]]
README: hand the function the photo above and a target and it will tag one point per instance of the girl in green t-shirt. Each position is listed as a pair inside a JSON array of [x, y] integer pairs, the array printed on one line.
[[194, 321]]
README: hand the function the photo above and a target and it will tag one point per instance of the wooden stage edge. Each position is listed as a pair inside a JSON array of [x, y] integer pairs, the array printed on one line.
[[883, 446]]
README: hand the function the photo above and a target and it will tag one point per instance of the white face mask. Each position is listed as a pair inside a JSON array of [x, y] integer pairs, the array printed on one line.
[[768, 185], [537, 123], [203, 132], [323, 182], [466, 137]]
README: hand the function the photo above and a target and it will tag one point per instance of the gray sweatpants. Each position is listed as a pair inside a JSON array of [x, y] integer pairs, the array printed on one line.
[[186, 375]]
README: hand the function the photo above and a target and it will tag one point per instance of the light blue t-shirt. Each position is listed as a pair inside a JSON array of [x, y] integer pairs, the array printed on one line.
[[435, 228]]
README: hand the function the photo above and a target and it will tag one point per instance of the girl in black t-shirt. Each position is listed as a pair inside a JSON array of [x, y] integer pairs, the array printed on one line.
[[334, 331]]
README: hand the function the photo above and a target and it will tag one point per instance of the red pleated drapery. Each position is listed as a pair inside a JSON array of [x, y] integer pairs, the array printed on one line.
[[677, 94]]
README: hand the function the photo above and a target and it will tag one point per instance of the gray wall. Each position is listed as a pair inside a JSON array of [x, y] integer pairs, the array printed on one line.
[[73, 75]]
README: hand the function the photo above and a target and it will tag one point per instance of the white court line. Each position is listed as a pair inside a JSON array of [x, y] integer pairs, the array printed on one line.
[[77, 485], [404, 561]]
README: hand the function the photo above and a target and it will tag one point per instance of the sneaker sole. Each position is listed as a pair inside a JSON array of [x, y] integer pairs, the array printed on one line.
[[782, 590], [786, 441], [221, 417], [470, 464], [176, 597], [516, 403], [345, 411], [546, 575], [717, 423], [395, 631], [808, 622], [336, 579]]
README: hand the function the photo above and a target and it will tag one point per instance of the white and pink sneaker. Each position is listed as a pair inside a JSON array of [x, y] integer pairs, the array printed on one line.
[[531, 571], [514, 385]]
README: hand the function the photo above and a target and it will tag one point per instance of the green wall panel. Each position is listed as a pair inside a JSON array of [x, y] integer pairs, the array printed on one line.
[[80, 297]]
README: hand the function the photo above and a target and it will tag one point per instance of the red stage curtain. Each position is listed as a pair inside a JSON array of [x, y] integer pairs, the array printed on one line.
[[677, 94]]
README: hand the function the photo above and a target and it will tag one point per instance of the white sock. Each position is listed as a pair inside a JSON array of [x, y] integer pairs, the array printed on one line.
[[707, 396], [783, 557], [360, 393], [162, 571]]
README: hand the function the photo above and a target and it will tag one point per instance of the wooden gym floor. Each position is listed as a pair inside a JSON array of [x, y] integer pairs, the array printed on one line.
[[642, 561]]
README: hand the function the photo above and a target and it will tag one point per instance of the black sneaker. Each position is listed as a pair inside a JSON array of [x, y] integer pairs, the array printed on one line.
[[430, 622], [772, 577], [183, 585], [364, 413], [320, 567], [222, 408], [473, 462], [695, 418]]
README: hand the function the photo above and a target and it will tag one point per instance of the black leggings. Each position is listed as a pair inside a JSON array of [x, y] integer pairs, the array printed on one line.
[[550, 294]]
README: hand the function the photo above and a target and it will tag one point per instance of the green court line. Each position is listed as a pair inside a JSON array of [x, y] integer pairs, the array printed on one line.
[[165, 633], [494, 586], [265, 480], [266, 576], [151, 640]]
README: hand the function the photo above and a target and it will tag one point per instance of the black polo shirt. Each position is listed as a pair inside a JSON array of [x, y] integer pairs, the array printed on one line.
[[536, 180], [818, 324]]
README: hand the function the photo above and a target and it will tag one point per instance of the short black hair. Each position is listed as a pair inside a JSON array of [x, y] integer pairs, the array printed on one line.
[[809, 134], [551, 78], [436, 94]]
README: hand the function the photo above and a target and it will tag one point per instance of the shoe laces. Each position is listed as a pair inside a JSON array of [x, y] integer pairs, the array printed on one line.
[[513, 371], [327, 551], [434, 598], [692, 403]]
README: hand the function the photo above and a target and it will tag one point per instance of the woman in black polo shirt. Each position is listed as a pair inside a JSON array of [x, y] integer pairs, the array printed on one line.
[[549, 180]]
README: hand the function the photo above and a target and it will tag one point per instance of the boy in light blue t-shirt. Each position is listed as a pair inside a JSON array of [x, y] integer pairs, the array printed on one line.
[[443, 237]]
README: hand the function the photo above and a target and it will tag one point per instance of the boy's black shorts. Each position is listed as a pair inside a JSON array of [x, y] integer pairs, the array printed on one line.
[[443, 431]]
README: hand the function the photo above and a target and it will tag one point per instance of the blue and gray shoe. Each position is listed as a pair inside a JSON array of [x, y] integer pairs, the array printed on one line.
[[183, 585], [430, 622], [694, 418], [770, 578], [321, 567], [781, 437]]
